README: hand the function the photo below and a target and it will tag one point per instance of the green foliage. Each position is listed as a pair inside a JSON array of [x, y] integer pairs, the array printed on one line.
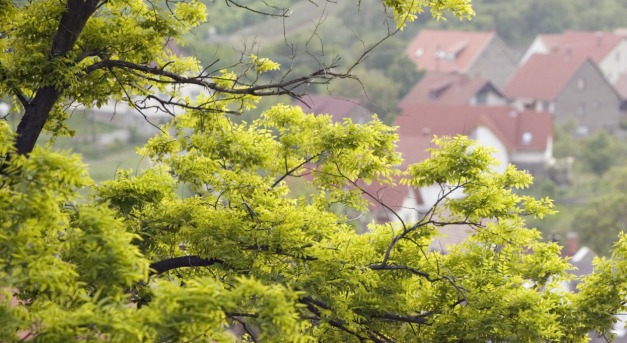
[[135, 261], [603, 218], [600, 152], [280, 261]]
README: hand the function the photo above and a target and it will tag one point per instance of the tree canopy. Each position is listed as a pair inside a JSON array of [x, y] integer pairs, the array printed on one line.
[[134, 260]]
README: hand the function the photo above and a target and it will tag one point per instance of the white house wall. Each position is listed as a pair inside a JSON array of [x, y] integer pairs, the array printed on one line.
[[615, 63], [432, 193], [538, 157], [486, 137], [409, 210], [537, 47]]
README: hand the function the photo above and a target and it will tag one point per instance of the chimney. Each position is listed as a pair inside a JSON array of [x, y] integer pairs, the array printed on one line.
[[572, 243], [599, 36]]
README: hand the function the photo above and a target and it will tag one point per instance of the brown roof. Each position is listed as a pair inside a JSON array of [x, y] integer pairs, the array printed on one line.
[[391, 196], [582, 44], [418, 123], [450, 88], [438, 50], [338, 108], [543, 76]]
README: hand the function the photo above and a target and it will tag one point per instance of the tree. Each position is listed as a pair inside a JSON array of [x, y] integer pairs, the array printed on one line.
[[57, 53], [134, 261], [242, 251], [600, 152], [603, 218]]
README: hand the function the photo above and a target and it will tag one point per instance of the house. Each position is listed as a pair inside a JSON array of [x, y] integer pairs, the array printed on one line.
[[608, 50], [524, 139], [339, 108], [521, 138], [471, 53], [573, 90], [453, 88]]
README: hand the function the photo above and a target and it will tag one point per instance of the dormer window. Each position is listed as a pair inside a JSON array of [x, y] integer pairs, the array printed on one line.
[[440, 54]]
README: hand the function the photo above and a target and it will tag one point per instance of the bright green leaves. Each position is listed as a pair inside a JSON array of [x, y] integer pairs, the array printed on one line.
[[457, 161], [602, 292], [263, 65], [134, 32], [198, 311], [462, 165], [128, 193], [100, 248], [71, 267], [406, 11]]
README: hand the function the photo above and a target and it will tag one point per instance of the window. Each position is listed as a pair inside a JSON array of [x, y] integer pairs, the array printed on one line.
[[482, 98], [581, 83], [527, 137], [420, 52], [581, 109]]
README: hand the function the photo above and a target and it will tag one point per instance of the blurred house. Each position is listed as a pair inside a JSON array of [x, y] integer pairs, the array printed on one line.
[[453, 88], [574, 90], [471, 53], [607, 50], [524, 139]]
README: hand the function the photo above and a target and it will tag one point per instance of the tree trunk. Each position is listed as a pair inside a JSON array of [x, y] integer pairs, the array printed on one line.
[[35, 118], [37, 111]]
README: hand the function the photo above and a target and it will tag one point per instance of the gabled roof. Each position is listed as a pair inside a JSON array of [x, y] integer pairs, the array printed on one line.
[[438, 50], [518, 131], [543, 76], [582, 44], [338, 108], [450, 88]]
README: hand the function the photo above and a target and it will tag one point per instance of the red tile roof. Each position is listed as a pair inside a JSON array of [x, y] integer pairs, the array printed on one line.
[[391, 196], [582, 44], [438, 50], [543, 76], [451, 89], [337, 107], [418, 123]]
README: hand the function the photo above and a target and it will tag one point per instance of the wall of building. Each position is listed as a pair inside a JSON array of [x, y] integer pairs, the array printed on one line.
[[615, 63], [495, 63], [589, 101], [486, 137]]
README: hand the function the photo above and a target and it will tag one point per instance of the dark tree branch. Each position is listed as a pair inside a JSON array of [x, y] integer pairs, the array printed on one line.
[[313, 305], [182, 262], [21, 97], [284, 11], [281, 88], [394, 267], [289, 172], [420, 319]]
